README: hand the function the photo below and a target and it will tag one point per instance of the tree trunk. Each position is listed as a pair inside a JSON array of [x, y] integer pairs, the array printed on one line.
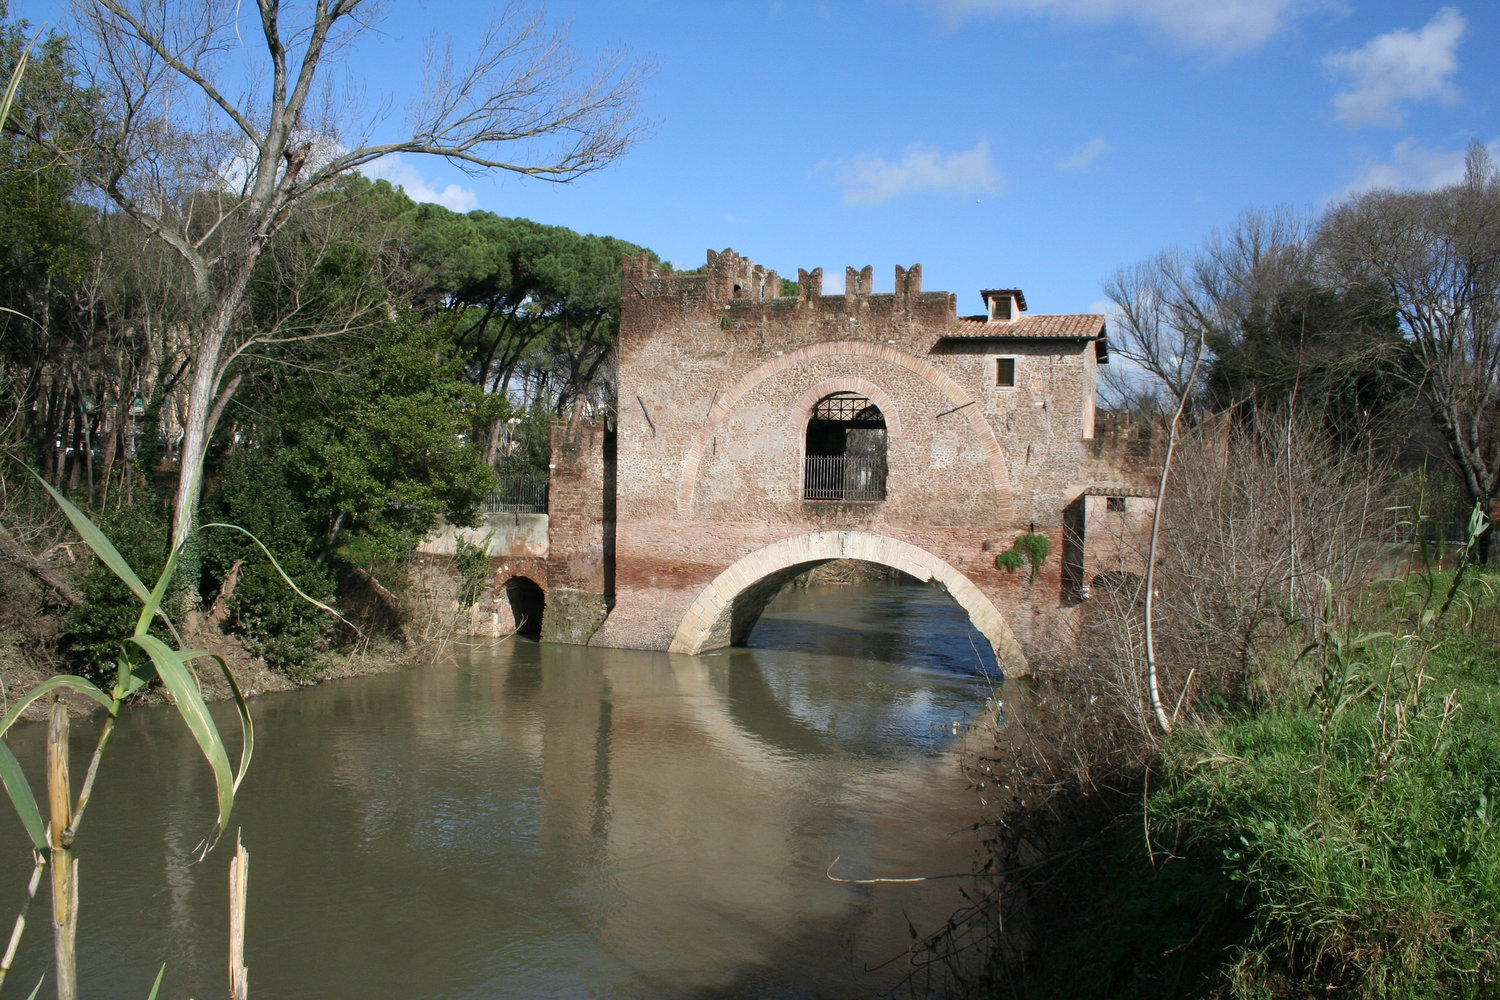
[[203, 394]]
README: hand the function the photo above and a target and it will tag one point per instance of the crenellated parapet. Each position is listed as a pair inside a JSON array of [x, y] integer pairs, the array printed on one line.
[[730, 292], [809, 284]]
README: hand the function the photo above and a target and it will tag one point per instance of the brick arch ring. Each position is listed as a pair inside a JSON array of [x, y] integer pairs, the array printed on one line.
[[523, 567], [687, 483], [724, 611], [802, 409]]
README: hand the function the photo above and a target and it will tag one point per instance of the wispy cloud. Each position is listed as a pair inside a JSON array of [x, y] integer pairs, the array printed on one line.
[[402, 174], [869, 180], [1393, 69], [1085, 156], [1221, 26], [1412, 165]]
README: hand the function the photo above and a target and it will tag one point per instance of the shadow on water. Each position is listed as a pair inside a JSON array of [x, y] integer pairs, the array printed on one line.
[[875, 669], [909, 624], [539, 820]]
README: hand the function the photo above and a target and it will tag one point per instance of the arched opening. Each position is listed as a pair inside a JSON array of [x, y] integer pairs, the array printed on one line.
[[527, 604], [882, 662], [862, 610], [728, 608], [845, 450]]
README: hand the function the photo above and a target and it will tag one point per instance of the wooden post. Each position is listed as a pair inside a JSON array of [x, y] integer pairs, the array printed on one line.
[[64, 868], [239, 875]]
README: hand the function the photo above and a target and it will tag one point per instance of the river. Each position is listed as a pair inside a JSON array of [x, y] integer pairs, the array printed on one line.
[[523, 820]]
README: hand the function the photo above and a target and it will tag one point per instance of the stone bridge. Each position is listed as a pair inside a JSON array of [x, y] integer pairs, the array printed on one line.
[[756, 435]]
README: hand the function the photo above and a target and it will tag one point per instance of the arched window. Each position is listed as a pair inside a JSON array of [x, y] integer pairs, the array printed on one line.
[[845, 450]]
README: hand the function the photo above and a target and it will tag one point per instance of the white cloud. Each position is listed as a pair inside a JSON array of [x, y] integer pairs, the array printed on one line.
[[1085, 157], [1398, 67], [873, 179], [395, 169], [1224, 26], [1412, 166]]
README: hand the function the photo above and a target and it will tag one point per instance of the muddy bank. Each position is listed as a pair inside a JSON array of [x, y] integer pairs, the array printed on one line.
[[20, 674], [423, 624]]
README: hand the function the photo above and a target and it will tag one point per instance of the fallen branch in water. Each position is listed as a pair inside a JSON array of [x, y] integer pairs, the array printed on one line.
[[920, 878]]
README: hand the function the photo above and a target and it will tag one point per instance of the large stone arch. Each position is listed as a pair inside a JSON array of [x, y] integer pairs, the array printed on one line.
[[962, 406], [726, 610]]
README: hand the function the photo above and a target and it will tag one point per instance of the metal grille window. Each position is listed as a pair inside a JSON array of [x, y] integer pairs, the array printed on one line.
[[846, 450], [1005, 371], [848, 410]]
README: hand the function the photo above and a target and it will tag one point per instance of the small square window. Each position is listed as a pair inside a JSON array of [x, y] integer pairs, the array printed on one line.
[[1005, 371], [1115, 505]]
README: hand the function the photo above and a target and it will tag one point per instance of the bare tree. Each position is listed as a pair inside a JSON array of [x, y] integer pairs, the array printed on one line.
[[1266, 530], [1175, 305], [216, 175], [1437, 255], [1154, 320]]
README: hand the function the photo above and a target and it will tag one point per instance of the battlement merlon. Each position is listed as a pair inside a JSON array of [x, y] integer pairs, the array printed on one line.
[[727, 277]]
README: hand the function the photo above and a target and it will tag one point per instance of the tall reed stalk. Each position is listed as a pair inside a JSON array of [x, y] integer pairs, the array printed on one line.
[[143, 659]]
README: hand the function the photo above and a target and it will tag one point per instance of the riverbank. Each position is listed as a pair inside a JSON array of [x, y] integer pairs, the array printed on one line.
[[21, 671], [398, 631], [1336, 835]]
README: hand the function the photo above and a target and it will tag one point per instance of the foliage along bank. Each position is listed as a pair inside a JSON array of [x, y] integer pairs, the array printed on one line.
[[393, 355]]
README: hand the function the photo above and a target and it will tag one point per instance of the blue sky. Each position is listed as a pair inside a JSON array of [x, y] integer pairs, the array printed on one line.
[[1031, 143]]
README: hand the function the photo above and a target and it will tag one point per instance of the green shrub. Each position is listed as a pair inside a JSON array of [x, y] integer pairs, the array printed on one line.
[[1029, 549], [473, 565], [283, 629], [109, 609], [258, 491], [1034, 547], [1010, 560]]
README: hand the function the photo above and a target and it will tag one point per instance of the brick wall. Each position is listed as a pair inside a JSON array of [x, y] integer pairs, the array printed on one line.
[[717, 377], [580, 562]]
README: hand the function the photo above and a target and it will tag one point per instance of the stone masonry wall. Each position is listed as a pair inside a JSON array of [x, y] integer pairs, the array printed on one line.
[[717, 379]]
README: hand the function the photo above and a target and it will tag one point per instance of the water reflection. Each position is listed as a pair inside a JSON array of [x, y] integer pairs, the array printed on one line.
[[553, 821]]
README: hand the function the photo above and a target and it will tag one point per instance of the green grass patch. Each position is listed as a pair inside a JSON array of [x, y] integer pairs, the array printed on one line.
[[1353, 822], [1338, 839]]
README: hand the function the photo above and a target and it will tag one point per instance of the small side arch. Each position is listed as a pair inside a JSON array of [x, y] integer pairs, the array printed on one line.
[[521, 586], [726, 610]]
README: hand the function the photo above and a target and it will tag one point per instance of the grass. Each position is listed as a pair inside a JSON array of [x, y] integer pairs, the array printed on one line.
[[1341, 839]]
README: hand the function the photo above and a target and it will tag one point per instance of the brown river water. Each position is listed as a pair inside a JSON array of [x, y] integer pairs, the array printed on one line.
[[549, 821]]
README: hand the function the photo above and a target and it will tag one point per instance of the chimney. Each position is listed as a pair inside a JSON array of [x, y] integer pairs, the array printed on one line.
[[1003, 305]]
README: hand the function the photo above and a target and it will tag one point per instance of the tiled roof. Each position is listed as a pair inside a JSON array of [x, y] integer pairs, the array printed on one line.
[[1082, 326]]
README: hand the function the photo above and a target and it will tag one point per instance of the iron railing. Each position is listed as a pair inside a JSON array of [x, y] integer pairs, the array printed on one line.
[[1446, 524], [839, 477], [524, 493]]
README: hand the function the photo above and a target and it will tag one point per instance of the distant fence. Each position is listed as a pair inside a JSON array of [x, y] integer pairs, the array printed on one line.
[[522, 493], [1405, 522]]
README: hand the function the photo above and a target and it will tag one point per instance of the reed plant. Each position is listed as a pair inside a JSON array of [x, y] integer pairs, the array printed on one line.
[[142, 659]]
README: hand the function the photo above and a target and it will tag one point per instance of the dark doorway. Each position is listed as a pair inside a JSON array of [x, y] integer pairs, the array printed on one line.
[[527, 604]]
